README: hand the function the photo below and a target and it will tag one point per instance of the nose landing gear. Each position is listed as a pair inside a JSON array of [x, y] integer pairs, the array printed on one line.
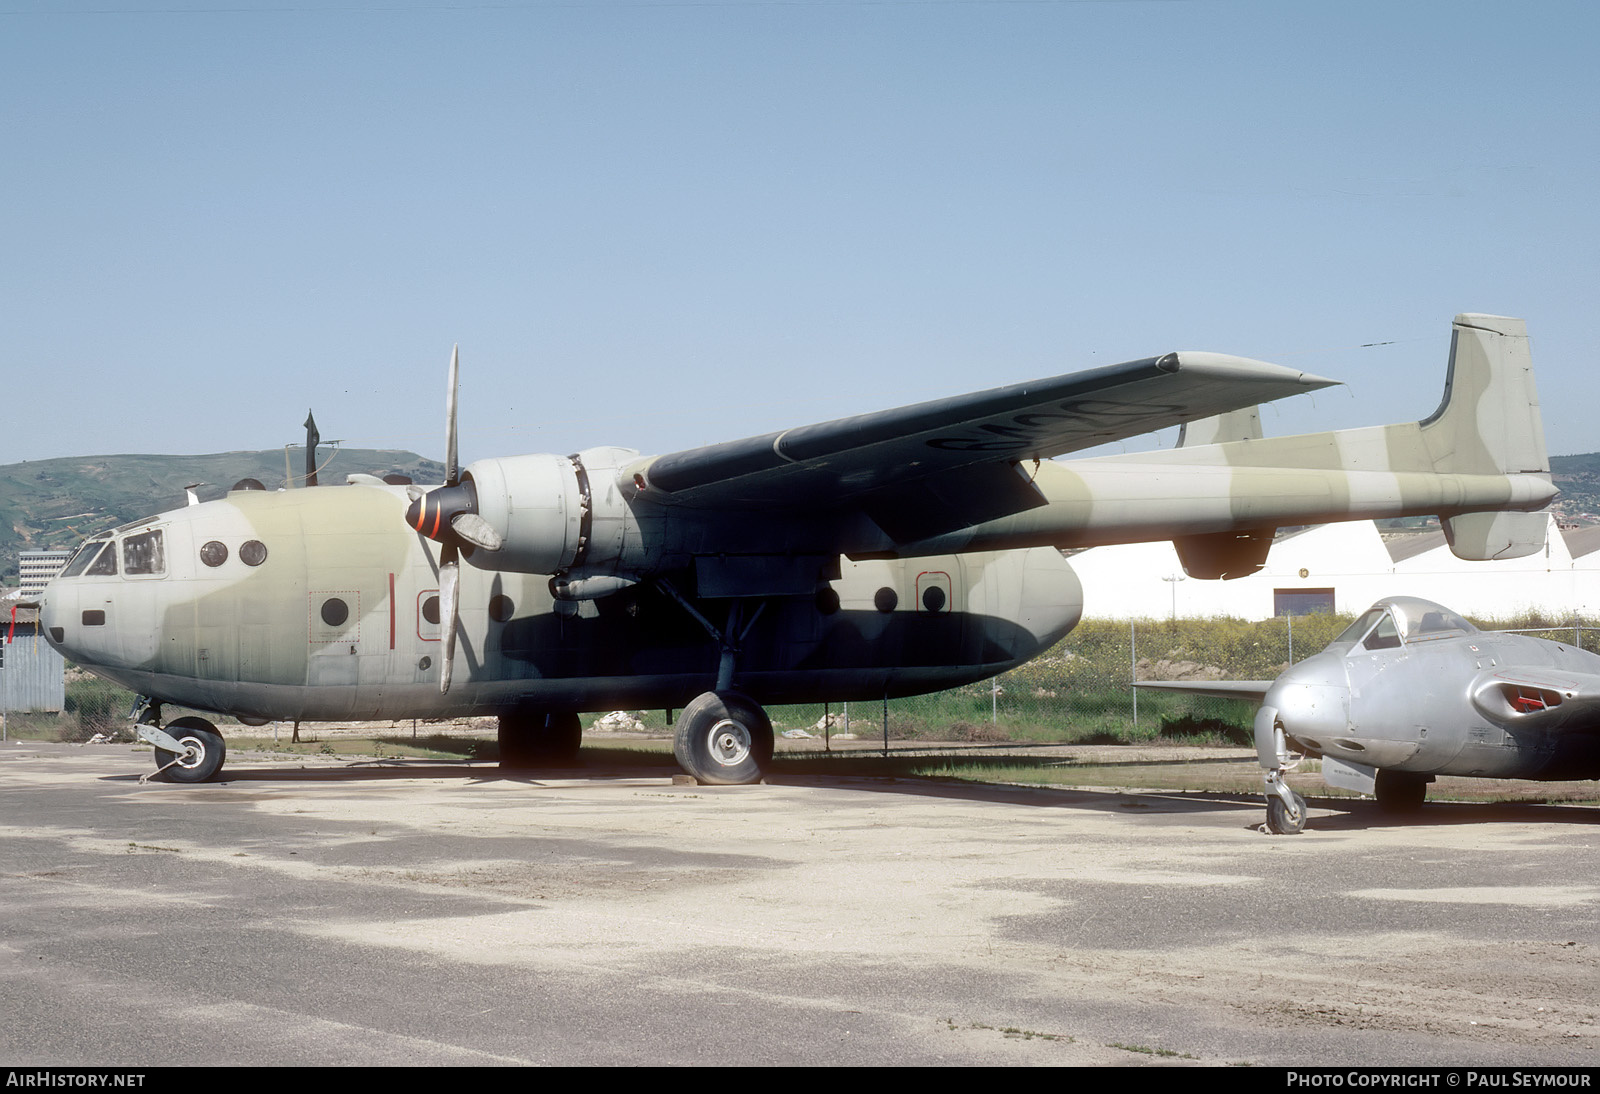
[[188, 750], [1286, 810]]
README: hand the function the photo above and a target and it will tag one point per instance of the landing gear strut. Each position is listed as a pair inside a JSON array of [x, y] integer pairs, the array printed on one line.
[[723, 737], [1286, 810]]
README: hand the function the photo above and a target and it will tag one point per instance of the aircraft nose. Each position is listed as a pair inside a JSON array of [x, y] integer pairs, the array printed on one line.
[[50, 615], [1312, 698]]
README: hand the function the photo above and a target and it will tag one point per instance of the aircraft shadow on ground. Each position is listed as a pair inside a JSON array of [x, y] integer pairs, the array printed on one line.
[[1356, 815], [1350, 814], [379, 771]]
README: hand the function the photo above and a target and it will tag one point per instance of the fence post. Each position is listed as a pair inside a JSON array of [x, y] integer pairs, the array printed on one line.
[[1133, 673]]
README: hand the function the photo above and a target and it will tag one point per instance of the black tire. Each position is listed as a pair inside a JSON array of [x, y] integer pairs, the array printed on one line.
[[1281, 820], [205, 761], [1400, 791], [723, 739], [539, 738]]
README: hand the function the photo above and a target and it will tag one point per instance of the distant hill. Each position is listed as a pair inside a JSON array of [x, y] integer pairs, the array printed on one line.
[[1578, 479], [57, 503]]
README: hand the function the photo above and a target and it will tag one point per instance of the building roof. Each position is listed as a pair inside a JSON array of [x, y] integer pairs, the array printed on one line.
[[1582, 541], [1410, 544]]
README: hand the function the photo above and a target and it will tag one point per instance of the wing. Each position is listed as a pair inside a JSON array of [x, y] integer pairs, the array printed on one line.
[[1251, 690], [966, 455], [1546, 698]]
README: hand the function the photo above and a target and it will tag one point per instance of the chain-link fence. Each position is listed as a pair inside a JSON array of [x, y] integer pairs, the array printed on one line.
[[1079, 692]]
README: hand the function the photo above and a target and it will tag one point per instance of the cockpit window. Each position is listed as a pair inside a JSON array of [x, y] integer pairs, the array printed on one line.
[[1385, 636], [1360, 627], [82, 557], [1435, 622], [106, 564], [144, 553]]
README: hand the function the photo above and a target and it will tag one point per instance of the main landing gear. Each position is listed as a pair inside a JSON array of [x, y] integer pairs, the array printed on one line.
[[1400, 791], [723, 738], [539, 738]]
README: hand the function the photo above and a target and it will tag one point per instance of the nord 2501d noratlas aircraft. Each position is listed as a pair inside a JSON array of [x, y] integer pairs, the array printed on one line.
[[887, 554]]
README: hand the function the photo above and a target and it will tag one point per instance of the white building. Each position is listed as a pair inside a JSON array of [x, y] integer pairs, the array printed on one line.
[[1345, 567], [36, 568]]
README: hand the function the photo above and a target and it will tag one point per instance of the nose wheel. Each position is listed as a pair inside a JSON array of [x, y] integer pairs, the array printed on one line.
[[188, 750], [1286, 810]]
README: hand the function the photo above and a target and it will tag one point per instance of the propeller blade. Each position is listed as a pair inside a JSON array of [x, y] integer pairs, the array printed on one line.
[[477, 531], [452, 467], [449, 611]]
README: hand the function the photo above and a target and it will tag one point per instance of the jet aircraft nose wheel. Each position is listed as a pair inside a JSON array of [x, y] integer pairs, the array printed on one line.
[[1284, 820], [723, 738], [202, 756]]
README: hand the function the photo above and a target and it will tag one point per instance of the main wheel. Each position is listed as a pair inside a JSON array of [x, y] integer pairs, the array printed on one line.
[[723, 738], [202, 756], [1285, 821], [1400, 791], [539, 739]]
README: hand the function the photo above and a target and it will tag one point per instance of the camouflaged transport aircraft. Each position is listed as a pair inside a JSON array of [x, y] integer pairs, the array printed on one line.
[[888, 554]]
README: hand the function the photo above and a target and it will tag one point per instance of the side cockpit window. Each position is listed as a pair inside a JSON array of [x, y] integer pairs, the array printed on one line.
[[144, 553], [1385, 636], [1437, 622], [90, 552], [1355, 631], [106, 564]]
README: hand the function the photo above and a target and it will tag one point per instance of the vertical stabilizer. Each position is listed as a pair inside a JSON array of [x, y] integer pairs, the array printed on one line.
[[1243, 424], [1487, 424]]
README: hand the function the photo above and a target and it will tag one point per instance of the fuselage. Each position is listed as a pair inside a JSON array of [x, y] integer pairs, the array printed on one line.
[[320, 604], [1413, 687]]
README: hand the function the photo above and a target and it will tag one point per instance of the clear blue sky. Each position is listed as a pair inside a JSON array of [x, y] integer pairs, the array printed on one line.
[[667, 224]]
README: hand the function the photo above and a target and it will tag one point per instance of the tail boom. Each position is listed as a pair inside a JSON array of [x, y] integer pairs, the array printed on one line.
[[1478, 463]]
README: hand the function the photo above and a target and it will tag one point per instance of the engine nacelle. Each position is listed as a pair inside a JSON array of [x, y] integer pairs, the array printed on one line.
[[537, 505], [554, 514]]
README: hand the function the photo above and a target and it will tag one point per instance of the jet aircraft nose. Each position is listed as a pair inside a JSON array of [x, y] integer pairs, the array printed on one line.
[[1312, 698]]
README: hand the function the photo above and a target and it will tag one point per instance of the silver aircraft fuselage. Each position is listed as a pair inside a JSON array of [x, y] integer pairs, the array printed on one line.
[[1413, 687]]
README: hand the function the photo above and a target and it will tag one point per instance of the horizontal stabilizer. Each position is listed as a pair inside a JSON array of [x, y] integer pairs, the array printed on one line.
[[1224, 555], [1481, 537]]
